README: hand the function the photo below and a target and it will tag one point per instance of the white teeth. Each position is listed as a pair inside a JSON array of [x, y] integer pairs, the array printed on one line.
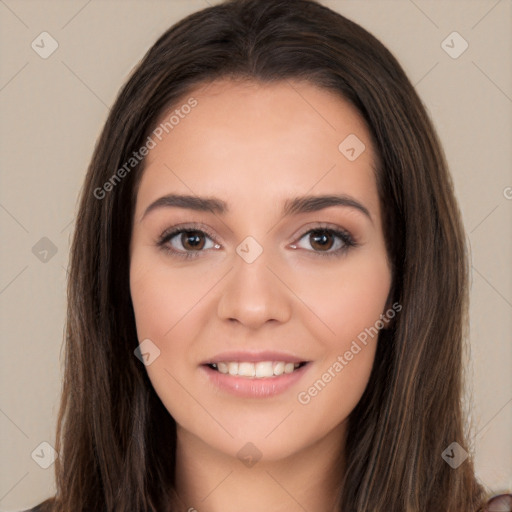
[[264, 369], [222, 367], [260, 370], [279, 368], [246, 369], [289, 367]]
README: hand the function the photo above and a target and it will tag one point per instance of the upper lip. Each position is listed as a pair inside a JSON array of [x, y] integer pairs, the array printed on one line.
[[254, 357]]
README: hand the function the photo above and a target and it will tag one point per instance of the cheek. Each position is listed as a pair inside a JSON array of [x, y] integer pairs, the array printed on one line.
[[349, 301], [171, 308], [166, 305], [346, 298], [163, 298]]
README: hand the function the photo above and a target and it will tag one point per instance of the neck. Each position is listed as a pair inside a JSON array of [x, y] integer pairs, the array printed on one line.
[[208, 480]]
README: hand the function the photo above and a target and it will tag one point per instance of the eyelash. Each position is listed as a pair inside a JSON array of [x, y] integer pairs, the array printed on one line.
[[345, 237]]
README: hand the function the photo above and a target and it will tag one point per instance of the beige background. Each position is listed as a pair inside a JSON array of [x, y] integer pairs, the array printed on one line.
[[53, 109]]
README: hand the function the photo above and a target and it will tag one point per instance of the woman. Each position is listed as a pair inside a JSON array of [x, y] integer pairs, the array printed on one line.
[[268, 282]]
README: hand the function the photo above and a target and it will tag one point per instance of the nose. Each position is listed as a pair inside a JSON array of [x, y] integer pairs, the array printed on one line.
[[254, 293]]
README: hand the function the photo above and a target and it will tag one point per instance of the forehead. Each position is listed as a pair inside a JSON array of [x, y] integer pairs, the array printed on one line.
[[252, 141]]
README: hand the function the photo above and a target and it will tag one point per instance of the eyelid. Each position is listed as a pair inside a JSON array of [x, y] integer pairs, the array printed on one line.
[[320, 226], [344, 235], [162, 242], [188, 226]]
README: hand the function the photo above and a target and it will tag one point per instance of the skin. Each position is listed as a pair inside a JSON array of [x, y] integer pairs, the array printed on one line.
[[254, 146]]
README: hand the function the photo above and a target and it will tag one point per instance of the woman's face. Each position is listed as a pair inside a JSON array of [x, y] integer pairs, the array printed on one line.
[[256, 316]]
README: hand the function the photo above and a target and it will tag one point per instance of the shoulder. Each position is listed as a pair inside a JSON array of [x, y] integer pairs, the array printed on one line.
[[47, 505], [502, 502], [37, 508]]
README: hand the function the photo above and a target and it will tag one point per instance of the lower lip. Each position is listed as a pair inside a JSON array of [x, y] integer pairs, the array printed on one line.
[[247, 387]]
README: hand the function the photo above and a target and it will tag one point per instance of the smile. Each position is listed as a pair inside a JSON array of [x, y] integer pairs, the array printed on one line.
[[254, 379], [256, 370]]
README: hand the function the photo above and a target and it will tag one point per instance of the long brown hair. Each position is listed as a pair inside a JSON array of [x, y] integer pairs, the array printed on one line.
[[115, 438]]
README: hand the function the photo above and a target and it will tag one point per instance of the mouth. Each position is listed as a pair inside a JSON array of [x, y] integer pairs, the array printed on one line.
[[256, 370], [251, 374]]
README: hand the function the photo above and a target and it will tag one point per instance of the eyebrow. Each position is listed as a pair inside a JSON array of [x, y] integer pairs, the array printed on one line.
[[294, 206]]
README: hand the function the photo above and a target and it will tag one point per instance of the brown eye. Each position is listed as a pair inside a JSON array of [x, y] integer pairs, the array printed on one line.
[[192, 240], [187, 243], [321, 240], [324, 241]]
